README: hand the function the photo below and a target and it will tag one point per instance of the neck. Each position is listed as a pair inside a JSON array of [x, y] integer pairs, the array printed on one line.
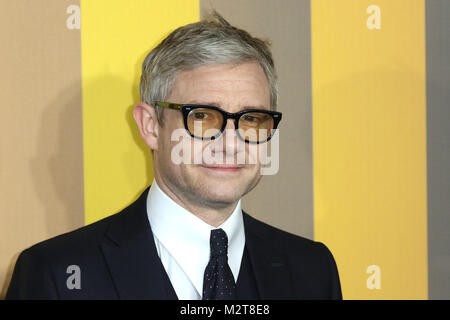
[[211, 212]]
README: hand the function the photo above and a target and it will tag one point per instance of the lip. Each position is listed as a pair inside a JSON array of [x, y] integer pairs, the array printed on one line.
[[223, 168]]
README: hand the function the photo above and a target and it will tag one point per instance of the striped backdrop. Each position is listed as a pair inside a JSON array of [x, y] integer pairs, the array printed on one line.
[[364, 141]]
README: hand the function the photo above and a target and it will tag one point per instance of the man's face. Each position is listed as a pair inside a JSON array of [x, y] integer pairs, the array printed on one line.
[[232, 88]]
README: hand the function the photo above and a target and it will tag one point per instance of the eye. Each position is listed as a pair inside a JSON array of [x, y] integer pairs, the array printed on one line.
[[249, 118], [200, 115]]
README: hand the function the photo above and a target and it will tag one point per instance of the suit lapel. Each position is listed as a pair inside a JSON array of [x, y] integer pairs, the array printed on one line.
[[138, 273], [270, 266], [132, 257]]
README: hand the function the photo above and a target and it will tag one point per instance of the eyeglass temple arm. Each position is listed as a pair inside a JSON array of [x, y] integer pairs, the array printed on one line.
[[168, 105]]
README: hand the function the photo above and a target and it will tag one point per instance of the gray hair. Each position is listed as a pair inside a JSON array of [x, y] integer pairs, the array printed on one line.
[[207, 42]]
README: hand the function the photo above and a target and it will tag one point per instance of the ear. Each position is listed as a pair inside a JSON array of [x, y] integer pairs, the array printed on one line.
[[147, 121]]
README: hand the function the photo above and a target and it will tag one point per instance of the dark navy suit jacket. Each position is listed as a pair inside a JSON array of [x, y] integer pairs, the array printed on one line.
[[117, 259]]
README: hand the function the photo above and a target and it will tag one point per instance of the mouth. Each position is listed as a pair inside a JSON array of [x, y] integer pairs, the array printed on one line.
[[223, 168]]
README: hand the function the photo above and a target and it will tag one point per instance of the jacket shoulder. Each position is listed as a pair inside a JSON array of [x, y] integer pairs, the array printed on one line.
[[277, 236], [41, 269], [83, 237], [314, 270]]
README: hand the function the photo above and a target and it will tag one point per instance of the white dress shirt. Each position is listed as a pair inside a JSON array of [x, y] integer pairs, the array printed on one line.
[[182, 242]]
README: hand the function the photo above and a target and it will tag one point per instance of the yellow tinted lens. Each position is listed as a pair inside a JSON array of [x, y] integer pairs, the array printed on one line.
[[255, 126], [205, 123]]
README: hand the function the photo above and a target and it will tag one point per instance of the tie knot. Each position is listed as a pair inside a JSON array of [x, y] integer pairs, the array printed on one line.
[[218, 243]]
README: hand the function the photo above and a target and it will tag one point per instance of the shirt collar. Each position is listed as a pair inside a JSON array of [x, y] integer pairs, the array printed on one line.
[[186, 236]]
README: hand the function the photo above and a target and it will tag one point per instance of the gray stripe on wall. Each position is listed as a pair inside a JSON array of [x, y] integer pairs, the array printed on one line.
[[438, 147], [284, 200]]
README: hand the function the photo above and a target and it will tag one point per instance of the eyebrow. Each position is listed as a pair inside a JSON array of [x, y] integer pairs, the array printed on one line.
[[218, 105]]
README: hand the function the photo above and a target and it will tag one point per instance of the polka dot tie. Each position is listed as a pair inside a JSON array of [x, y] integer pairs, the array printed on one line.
[[218, 281]]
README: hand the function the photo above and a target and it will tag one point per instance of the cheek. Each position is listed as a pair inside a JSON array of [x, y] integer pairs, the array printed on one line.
[[254, 151], [179, 148], [166, 143]]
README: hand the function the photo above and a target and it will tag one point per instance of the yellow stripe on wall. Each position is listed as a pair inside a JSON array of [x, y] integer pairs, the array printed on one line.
[[369, 142], [116, 36]]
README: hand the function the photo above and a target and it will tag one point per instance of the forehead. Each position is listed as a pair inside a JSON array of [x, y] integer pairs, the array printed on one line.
[[224, 84]]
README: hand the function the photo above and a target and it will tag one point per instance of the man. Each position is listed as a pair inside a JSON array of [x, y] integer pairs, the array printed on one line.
[[186, 237]]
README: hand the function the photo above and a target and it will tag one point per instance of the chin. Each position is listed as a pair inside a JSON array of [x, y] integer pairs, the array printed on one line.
[[221, 191], [220, 195], [224, 193]]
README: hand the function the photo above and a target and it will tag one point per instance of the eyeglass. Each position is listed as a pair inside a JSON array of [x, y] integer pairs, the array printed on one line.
[[252, 125]]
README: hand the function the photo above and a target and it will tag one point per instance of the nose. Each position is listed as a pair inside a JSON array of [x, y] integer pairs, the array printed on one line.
[[230, 141]]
